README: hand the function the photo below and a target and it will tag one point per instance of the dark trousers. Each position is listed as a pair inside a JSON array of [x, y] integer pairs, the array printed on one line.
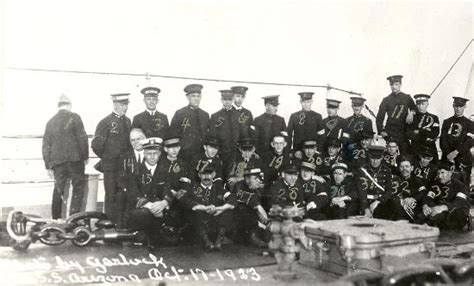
[[111, 198], [165, 229], [455, 219], [203, 222], [246, 222], [75, 172]]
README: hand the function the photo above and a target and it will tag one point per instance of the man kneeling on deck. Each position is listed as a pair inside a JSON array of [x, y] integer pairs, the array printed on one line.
[[207, 211], [154, 211], [248, 209], [447, 203]]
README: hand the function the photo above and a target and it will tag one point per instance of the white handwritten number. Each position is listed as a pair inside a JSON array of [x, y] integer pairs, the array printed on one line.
[[230, 273], [243, 274], [253, 274]]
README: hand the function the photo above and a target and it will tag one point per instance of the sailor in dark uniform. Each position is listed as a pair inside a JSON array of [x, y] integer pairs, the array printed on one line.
[[172, 167], [408, 193], [357, 123], [285, 191], [332, 156], [273, 160], [245, 115], [246, 159], [303, 124], [268, 124], [209, 156], [424, 129], [446, 204], [424, 168], [315, 193], [224, 125], [154, 208], [248, 210], [190, 123], [343, 194], [390, 156], [151, 121], [207, 211], [311, 154], [359, 151], [399, 108], [375, 184], [457, 138], [111, 139], [130, 162], [333, 126]]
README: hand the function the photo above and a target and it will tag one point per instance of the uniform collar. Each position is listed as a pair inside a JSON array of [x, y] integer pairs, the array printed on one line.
[[151, 168], [237, 108], [204, 187], [116, 114], [151, 112], [136, 153]]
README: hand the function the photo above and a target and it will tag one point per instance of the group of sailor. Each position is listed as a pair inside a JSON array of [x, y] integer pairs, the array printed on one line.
[[216, 176]]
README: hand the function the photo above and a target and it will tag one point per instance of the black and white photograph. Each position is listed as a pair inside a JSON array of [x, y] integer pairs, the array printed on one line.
[[283, 142]]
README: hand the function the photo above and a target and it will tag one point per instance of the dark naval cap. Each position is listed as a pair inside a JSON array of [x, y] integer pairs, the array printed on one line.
[[395, 78], [332, 103], [271, 99], [290, 168], [120, 97], [207, 169], [333, 142], [358, 101], [150, 91], [445, 165], [193, 88], [306, 95], [227, 94], [459, 101], [212, 141], [310, 143], [421, 97], [239, 90], [152, 143], [246, 143]]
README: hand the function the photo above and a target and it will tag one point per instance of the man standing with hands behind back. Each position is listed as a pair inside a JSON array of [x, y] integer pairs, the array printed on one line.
[[65, 152]]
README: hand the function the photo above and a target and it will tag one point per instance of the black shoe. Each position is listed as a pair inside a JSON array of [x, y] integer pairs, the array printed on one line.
[[256, 241]]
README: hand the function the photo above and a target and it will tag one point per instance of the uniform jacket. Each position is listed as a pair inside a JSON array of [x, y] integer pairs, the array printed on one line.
[[358, 157], [148, 187], [170, 171], [368, 190], [200, 195], [111, 139], [239, 164], [267, 126], [457, 133], [200, 161], [303, 125], [317, 159], [64, 140], [245, 120], [128, 167], [314, 191], [357, 124], [191, 125], [334, 127], [243, 195], [395, 106], [153, 126], [224, 125], [272, 163], [454, 194], [347, 188], [412, 187], [427, 127], [285, 195], [426, 174]]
